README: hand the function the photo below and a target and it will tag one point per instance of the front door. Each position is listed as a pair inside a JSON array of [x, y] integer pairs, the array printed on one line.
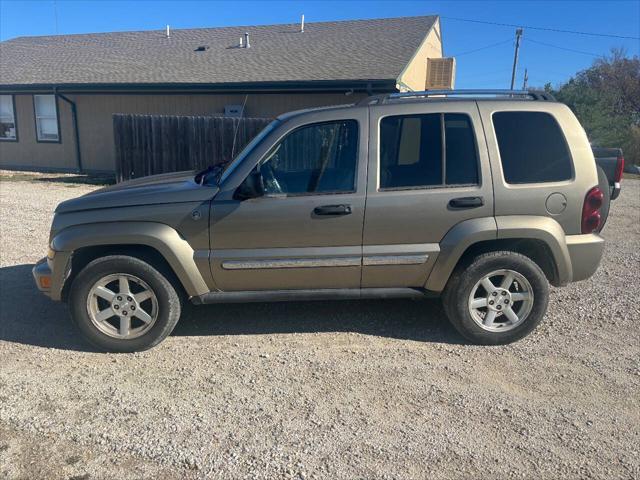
[[428, 171], [305, 232]]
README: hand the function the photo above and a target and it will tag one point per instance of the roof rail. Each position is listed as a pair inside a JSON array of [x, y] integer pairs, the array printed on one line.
[[530, 94]]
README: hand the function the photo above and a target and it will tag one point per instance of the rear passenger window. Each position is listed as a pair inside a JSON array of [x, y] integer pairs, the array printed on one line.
[[427, 150], [532, 147]]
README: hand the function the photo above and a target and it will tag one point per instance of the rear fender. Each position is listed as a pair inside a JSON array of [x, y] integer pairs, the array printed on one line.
[[454, 244], [545, 229], [470, 232]]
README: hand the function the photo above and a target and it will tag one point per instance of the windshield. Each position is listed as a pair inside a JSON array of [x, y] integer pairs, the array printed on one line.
[[246, 150]]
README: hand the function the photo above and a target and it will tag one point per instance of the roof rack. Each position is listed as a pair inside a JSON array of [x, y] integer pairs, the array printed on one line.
[[528, 94]]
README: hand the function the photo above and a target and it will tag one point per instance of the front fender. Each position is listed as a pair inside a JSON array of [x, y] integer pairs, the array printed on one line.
[[164, 239]]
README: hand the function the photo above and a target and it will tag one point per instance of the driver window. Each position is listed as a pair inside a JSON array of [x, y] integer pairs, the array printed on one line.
[[317, 158]]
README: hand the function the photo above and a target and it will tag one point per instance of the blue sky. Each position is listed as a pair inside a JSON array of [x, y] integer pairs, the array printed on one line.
[[563, 55]]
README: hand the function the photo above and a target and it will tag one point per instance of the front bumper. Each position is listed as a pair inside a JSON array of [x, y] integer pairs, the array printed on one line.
[[51, 272], [585, 252], [42, 275]]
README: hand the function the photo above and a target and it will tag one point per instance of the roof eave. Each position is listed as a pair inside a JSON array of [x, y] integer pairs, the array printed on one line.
[[357, 85]]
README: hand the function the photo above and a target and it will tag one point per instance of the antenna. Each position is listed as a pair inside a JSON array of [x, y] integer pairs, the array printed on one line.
[[526, 79], [302, 24], [168, 31]]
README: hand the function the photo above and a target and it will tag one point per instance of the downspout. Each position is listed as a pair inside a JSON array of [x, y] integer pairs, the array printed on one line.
[[76, 133]]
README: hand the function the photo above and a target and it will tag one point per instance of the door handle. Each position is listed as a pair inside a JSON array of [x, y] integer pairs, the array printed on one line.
[[332, 210], [466, 202]]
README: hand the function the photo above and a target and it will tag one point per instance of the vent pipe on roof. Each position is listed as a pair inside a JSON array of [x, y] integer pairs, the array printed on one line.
[[168, 32], [246, 41], [302, 24]]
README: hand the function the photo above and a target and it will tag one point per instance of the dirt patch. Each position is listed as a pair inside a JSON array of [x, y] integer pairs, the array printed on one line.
[[372, 389]]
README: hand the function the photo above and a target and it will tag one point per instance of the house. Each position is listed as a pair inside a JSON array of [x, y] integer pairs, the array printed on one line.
[[58, 93]]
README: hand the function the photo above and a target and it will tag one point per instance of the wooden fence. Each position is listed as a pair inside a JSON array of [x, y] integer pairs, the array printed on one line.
[[151, 144]]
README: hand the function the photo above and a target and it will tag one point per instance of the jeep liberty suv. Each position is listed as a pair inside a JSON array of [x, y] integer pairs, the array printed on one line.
[[484, 198]]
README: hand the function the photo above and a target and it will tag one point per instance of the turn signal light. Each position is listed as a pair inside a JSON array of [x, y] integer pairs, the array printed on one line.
[[591, 217], [45, 282]]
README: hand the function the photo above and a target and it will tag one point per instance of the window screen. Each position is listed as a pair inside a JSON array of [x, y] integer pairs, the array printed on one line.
[[532, 147], [318, 158], [7, 118], [416, 152], [46, 118]]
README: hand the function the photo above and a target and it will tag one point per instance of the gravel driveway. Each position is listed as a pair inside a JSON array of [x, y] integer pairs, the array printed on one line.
[[375, 389]]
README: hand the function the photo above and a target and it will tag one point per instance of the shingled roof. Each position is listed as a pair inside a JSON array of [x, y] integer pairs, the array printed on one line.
[[326, 51]]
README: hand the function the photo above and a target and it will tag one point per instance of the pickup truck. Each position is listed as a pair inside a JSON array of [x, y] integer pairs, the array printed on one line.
[[611, 161], [610, 165]]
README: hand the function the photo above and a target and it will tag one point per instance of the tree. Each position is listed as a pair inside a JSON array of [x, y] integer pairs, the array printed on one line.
[[606, 100]]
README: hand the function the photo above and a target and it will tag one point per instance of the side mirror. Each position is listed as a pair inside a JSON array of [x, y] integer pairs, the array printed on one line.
[[252, 187]]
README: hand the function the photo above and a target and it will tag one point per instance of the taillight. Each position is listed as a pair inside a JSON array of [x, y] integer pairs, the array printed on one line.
[[591, 210], [619, 169]]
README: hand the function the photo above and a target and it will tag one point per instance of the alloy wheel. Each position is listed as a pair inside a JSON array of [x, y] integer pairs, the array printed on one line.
[[501, 300], [122, 306]]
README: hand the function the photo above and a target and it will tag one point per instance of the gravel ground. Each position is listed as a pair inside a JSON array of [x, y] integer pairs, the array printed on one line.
[[375, 389]]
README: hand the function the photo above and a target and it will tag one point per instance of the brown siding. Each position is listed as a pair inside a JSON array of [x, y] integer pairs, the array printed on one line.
[[27, 152], [96, 124]]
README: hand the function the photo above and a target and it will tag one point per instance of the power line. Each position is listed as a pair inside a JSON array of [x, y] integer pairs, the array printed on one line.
[[564, 48], [546, 29], [508, 40]]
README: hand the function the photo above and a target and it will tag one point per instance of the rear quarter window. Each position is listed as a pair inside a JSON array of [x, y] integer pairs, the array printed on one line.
[[532, 147]]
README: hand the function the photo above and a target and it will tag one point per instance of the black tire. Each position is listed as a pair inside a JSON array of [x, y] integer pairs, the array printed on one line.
[[603, 183], [455, 297], [168, 301]]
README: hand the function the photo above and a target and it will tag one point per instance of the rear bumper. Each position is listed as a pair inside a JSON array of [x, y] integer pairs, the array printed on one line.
[[615, 190], [585, 252]]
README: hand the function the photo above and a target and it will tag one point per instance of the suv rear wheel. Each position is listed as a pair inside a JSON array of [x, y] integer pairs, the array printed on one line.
[[123, 304], [497, 299]]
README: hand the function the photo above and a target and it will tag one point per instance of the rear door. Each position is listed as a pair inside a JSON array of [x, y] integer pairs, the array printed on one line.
[[428, 171]]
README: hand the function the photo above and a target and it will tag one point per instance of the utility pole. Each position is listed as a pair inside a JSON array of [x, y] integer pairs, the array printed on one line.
[[515, 57], [526, 79]]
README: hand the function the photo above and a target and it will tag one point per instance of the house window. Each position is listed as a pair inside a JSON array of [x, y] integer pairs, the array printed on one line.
[[46, 112], [8, 129]]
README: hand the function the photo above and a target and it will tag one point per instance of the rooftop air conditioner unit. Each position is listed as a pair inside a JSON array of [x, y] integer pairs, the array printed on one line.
[[441, 73]]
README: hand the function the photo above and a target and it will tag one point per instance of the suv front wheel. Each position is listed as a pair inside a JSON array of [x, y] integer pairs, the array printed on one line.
[[498, 298], [123, 304]]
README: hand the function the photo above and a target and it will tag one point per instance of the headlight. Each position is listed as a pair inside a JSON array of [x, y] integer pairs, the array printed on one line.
[[51, 253]]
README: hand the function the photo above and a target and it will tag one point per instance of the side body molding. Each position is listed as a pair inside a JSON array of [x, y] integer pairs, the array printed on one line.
[[454, 244], [541, 228], [166, 240]]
